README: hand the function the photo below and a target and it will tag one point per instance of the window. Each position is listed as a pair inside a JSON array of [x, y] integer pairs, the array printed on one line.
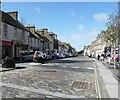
[[34, 40], [5, 30], [23, 36], [31, 39], [15, 32]]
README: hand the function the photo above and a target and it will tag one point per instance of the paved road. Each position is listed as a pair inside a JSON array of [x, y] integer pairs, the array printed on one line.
[[63, 78]]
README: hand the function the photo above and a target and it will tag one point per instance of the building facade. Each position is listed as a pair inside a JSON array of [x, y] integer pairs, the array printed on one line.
[[14, 35]]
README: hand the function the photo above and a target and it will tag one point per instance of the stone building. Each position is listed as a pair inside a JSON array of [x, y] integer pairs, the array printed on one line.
[[48, 41], [14, 35], [34, 39]]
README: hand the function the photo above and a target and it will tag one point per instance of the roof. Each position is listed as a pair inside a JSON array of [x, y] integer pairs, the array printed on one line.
[[6, 18], [34, 35]]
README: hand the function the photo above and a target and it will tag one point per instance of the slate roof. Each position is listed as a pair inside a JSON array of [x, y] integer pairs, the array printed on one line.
[[6, 18]]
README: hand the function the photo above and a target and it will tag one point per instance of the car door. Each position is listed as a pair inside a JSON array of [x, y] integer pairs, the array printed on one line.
[[30, 56]]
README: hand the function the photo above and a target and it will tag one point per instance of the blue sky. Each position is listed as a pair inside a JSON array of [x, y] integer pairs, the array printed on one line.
[[77, 23]]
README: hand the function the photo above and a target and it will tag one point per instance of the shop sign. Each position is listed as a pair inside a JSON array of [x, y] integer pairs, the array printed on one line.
[[4, 43]]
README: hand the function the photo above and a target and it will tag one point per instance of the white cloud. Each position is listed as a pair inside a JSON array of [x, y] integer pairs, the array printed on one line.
[[90, 36], [72, 13], [80, 28], [82, 17], [38, 10], [101, 17], [76, 36]]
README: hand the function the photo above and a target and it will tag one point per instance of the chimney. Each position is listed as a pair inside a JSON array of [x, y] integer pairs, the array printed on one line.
[[14, 14], [40, 31], [45, 30], [31, 28]]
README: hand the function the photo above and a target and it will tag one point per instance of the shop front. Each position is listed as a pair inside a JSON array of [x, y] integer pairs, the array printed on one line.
[[6, 48]]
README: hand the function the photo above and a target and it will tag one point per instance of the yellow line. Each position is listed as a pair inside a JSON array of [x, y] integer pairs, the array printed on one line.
[[97, 83]]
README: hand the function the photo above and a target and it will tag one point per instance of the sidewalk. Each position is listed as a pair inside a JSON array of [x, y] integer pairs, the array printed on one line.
[[111, 84]]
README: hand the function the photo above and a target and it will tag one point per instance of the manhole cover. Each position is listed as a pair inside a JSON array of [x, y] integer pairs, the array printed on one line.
[[81, 85]]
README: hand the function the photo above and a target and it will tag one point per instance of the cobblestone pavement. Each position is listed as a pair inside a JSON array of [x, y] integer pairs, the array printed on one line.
[[64, 78]]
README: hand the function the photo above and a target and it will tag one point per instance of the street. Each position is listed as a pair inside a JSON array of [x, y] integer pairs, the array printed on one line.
[[62, 78]]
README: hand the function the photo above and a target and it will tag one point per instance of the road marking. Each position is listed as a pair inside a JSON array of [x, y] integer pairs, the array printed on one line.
[[23, 64], [90, 68], [39, 90], [75, 67], [63, 66], [96, 82]]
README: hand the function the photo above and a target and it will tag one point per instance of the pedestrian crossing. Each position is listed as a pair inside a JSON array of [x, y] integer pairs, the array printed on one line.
[[51, 65]]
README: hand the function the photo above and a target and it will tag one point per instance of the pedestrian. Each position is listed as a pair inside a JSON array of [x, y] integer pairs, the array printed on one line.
[[117, 56], [45, 56], [21, 56], [102, 57], [98, 56], [36, 56]]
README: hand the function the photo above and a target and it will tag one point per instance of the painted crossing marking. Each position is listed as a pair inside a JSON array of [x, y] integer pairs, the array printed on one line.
[[63, 66], [76, 67], [26, 64], [90, 68], [39, 90]]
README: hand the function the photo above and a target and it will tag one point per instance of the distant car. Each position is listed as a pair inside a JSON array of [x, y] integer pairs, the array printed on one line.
[[54, 55], [29, 56], [48, 57], [61, 55]]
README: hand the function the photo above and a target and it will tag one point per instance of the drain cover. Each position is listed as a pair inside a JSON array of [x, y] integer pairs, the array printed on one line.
[[81, 85]]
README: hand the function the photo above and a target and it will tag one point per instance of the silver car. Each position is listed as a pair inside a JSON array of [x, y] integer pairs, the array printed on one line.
[[29, 56]]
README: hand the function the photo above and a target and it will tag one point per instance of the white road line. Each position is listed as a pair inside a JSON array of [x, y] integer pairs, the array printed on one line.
[[24, 64], [90, 68], [63, 66], [76, 67], [39, 90]]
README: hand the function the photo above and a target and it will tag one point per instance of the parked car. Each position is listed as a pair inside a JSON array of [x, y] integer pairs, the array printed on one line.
[[61, 55], [54, 55], [29, 56], [48, 57]]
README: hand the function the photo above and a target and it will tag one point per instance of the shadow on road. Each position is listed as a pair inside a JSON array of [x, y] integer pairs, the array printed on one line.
[[69, 61], [9, 69]]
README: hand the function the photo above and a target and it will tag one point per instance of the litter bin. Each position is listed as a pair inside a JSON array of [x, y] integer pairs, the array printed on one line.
[[8, 63]]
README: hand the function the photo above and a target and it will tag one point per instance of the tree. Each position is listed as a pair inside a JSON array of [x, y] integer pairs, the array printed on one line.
[[111, 35], [81, 52]]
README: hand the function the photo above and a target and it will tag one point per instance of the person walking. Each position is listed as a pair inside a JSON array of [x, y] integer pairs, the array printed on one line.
[[98, 56], [36, 56], [45, 56], [117, 57], [21, 56]]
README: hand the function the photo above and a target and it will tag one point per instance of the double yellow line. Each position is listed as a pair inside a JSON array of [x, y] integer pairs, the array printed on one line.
[[98, 96]]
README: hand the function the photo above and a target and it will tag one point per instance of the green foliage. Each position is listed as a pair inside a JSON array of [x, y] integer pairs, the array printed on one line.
[[111, 34], [81, 52]]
